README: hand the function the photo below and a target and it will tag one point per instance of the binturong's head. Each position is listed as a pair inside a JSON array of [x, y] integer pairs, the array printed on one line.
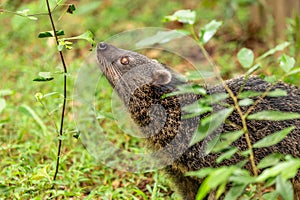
[[119, 65]]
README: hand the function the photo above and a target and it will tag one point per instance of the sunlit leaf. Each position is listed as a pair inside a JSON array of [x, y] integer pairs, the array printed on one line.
[[209, 30], [41, 174], [270, 79], [248, 94], [270, 195], [227, 155], [287, 169], [214, 98], [71, 8], [216, 178], [88, 36], [6, 92], [246, 102], [284, 188], [273, 138], [277, 93], [279, 47], [2, 105], [235, 192], [196, 109], [294, 71], [38, 96], [273, 115], [210, 124], [201, 173], [286, 63], [225, 140], [270, 160], [253, 69], [246, 57], [184, 16]]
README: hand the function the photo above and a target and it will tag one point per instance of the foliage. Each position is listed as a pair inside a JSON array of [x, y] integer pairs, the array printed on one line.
[[217, 178]]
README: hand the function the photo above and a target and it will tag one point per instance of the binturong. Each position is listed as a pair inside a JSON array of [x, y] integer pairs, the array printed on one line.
[[150, 91]]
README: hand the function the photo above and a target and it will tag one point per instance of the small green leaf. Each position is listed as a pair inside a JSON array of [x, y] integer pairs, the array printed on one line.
[[32, 18], [38, 96], [246, 102], [287, 169], [60, 47], [279, 47], [216, 178], [252, 70], [270, 79], [248, 94], [41, 79], [2, 105], [277, 93], [24, 13], [221, 189], [284, 188], [210, 123], [41, 174], [235, 192], [270, 195], [50, 34], [226, 155], [88, 36], [184, 16], [71, 8], [196, 109], [201, 173], [45, 74], [273, 138], [214, 98], [273, 115], [286, 63], [6, 92], [294, 71], [270, 160], [246, 57], [209, 30], [225, 140]]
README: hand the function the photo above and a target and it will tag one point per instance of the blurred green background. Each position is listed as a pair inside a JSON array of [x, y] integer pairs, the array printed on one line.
[[28, 138]]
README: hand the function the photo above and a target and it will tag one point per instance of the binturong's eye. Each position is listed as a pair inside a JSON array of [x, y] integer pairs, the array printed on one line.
[[124, 60]]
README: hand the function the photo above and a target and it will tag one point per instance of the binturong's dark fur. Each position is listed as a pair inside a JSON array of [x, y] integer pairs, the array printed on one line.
[[142, 84]]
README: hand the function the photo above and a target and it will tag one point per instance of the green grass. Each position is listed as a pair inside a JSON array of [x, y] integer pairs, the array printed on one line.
[[28, 144]]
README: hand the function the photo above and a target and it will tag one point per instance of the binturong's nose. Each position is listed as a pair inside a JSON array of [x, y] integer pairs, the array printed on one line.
[[102, 46]]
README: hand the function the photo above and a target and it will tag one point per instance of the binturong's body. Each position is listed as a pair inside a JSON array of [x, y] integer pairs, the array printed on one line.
[[142, 84]]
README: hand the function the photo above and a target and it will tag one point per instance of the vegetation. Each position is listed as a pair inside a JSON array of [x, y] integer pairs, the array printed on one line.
[[32, 93]]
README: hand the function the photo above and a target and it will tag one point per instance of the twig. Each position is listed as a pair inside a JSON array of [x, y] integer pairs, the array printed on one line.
[[65, 94], [235, 100]]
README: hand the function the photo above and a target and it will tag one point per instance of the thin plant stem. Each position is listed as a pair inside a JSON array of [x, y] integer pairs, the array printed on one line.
[[65, 94], [235, 100]]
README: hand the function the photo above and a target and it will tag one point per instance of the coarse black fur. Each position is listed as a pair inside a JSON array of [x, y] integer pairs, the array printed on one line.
[[143, 92]]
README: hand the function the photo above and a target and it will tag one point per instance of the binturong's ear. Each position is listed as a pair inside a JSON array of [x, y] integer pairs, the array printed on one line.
[[161, 77]]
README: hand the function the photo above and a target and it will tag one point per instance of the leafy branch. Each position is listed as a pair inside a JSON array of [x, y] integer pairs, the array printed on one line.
[[247, 60], [64, 92]]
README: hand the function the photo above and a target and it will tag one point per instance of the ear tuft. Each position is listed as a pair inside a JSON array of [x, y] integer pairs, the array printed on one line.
[[161, 77]]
